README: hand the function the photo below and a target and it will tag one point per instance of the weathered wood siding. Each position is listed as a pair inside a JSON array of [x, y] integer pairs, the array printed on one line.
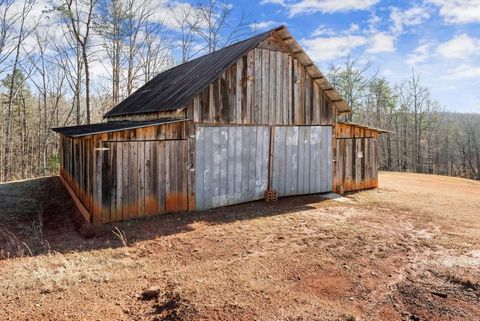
[[350, 131], [140, 178], [231, 165], [265, 87], [302, 160], [87, 162], [76, 167], [356, 164]]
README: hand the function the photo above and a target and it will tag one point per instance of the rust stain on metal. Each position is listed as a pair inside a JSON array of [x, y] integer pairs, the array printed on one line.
[[151, 205], [176, 202]]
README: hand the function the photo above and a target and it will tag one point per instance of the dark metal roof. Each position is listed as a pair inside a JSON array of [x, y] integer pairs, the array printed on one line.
[[175, 87], [84, 130]]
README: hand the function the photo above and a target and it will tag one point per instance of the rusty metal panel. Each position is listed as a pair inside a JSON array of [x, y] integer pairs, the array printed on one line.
[[231, 165]]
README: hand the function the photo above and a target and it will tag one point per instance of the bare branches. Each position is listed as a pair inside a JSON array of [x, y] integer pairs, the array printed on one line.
[[351, 81], [78, 16], [426, 139]]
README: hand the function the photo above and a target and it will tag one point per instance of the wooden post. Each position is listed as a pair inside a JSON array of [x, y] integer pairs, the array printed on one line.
[[270, 195], [270, 157]]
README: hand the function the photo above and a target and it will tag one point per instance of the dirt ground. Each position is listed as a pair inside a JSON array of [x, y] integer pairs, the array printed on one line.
[[409, 250]]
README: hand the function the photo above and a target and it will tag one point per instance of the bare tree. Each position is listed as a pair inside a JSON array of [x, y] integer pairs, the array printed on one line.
[[212, 24], [110, 24], [69, 60], [415, 96], [187, 22], [78, 16], [24, 30], [351, 81], [154, 54]]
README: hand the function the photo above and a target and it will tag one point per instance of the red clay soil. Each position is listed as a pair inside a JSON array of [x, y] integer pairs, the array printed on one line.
[[409, 250]]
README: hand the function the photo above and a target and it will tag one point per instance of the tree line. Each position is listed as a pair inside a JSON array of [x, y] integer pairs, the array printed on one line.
[[66, 62], [425, 138], [69, 61]]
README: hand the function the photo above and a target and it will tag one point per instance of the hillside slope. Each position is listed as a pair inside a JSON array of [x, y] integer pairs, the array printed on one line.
[[409, 250]]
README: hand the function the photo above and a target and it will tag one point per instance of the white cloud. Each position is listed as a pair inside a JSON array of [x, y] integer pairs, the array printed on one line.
[[324, 49], [410, 17], [373, 23], [381, 42], [171, 15], [262, 25], [353, 28], [459, 47], [329, 6], [458, 11], [323, 30], [419, 55], [464, 71], [280, 2]]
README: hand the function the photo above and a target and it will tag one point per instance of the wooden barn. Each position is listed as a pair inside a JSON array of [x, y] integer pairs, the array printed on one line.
[[253, 120]]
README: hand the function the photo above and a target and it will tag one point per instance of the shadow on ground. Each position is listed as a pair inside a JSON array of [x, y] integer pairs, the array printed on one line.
[[37, 216]]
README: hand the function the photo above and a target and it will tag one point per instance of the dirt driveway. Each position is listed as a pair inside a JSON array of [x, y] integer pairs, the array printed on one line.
[[407, 251]]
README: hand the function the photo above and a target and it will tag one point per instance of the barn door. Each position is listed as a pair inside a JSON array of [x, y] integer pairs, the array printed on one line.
[[302, 160], [231, 165], [140, 178], [356, 165]]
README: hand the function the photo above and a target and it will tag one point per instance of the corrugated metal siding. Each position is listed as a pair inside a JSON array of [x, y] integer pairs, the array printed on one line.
[[302, 160], [231, 165]]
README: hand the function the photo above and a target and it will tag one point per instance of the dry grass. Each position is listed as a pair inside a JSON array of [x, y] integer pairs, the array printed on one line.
[[58, 272], [122, 236], [395, 253]]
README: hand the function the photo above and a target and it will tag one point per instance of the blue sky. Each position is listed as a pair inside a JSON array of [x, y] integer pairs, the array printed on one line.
[[440, 39]]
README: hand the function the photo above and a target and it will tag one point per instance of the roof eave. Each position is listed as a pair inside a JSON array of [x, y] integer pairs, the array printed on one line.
[[378, 130], [160, 122]]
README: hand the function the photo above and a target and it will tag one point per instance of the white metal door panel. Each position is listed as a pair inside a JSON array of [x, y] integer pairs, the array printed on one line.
[[302, 160], [231, 165]]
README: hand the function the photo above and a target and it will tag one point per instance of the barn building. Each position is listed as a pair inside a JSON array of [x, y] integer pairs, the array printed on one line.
[[253, 120]]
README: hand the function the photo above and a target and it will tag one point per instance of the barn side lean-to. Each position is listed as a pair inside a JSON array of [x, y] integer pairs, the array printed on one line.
[[225, 128]]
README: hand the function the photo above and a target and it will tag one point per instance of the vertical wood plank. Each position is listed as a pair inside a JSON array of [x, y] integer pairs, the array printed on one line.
[[272, 99], [285, 89], [133, 180], [114, 174], [296, 93], [278, 88], [265, 86], [238, 107], [250, 87], [257, 110], [161, 178], [141, 178], [106, 183], [308, 99]]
